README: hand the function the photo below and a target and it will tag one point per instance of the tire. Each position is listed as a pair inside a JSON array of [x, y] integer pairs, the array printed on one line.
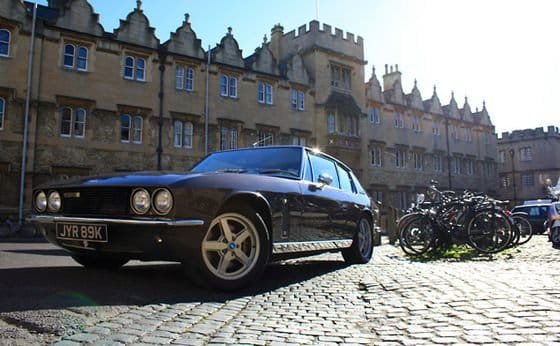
[[417, 236], [361, 250], [555, 237], [524, 227], [234, 251], [98, 262], [489, 231]]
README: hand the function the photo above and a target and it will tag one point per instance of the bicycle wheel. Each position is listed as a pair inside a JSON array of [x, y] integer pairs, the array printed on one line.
[[489, 231], [524, 227], [417, 236]]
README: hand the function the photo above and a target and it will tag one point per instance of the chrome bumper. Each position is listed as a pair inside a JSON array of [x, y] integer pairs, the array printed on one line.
[[52, 219]]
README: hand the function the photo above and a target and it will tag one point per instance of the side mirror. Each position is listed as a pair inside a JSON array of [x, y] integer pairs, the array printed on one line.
[[325, 179]]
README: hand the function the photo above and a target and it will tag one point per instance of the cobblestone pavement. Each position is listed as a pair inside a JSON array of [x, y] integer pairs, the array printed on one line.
[[511, 298]]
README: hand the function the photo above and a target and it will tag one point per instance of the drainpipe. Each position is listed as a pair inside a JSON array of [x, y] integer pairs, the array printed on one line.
[[512, 153], [26, 119], [448, 153], [206, 109], [162, 57]]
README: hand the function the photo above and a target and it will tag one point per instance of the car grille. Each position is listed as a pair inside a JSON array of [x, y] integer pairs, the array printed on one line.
[[97, 201]]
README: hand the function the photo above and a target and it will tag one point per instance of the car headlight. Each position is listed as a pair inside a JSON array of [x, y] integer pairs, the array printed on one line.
[[54, 201], [419, 198], [41, 202], [163, 201], [140, 201]]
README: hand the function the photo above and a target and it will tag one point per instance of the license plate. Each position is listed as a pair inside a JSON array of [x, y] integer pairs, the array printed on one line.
[[81, 231]]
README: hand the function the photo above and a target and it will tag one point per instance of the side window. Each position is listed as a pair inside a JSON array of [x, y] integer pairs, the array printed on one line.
[[345, 180], [308, 174], [534, 211], [321, 165]]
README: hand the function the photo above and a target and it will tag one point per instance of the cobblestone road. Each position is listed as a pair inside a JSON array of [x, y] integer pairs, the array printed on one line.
[[512, 298]]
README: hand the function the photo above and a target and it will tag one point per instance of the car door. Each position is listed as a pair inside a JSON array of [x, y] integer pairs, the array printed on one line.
[[349, 209], [321, 201]]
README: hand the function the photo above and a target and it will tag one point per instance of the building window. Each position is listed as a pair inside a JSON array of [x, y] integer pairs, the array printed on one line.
[[400, 158], [131, 127], [399, 120], [456, 165], [525, 154], [2, 111], [438, 163], [72, 60], [416, 124], [487, 138], [469, 166], [502, 156], [377, 156], [184, 78], [72, 122], [265, 138], [374, 115], [348, 125], [467, 134], [228, 86], [504, 182], [331, 123], [183, 134], [4, 42], [418, 159], [264, 92], [403, 200], [298, 140], [435, 128], [298, 100], [341, 77], [377, 196], [134, 68], [528, 180], [228, 138], [453, 132]]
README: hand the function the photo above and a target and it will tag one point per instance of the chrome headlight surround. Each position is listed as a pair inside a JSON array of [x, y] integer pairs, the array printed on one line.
[[140, 201], [41, 201], [54, 201], [162, 201], [420, 198]]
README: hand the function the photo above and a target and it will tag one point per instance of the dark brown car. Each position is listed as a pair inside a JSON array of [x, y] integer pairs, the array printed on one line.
[[228, 217]]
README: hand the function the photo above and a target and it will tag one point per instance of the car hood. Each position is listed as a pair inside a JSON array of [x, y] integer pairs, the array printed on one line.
[[156, 178]]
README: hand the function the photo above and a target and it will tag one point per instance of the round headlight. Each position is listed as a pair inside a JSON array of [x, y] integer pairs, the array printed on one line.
[[140, 201], [41, 201], [419, 198], [55, 202], [163, 201]]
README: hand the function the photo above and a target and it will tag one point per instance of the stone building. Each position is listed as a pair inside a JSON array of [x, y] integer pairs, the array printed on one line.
[[124, 100], [527, 158]]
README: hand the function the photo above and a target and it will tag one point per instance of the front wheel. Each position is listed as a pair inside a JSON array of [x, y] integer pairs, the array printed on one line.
[[234, 250], [490, 231], [555, 237], [361, 250], [98, 262], [524, 227]]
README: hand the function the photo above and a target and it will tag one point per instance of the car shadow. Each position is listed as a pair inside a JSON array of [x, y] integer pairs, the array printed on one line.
[[26, 289], [40, 252]]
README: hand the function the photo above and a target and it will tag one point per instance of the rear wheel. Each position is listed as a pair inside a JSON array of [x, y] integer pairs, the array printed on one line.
[[98, 262], [234, 250], [524, 227], [362, 245], [417, 236], [489, 231]]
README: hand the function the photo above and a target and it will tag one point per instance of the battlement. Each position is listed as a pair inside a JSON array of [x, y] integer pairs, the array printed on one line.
[[312, 35], [530, 134]]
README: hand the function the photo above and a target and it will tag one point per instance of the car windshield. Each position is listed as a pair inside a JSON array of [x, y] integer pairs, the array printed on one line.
[[274, 161]]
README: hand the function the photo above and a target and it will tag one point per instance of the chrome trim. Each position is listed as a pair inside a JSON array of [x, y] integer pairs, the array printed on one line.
[[306, 246], [53, 219]]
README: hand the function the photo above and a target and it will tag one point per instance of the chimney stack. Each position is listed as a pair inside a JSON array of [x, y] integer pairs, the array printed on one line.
[[391, 77]]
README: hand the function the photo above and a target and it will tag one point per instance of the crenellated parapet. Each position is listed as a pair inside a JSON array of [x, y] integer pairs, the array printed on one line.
[[530, 134], [312, 36]]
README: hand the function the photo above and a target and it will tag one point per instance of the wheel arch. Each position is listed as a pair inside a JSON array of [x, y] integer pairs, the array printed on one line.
[[256, 201]]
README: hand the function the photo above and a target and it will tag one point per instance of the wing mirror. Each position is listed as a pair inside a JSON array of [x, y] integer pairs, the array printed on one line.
[[325, 179]]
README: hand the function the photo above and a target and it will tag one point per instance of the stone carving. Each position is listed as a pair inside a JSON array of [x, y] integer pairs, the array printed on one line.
[[228, 52], [136, 29], [184, 41], [78, 15]]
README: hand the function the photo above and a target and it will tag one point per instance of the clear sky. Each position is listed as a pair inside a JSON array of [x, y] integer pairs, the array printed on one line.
[[506, 52]]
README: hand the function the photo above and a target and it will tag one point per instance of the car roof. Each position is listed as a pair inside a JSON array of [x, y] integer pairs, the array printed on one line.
[[314, 150]]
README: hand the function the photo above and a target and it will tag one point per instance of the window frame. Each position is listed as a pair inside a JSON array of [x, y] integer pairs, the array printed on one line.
[[137, 69], [179, 80], [224, 85], [129, 117], [178, 131], [398, 120], [2, 112], [418, 159], [189, 78], [70, 122], [72, 56], [376, 156], [128, 58], [400, 158], [79, 58], [75, 122], [134, 129], [8, 43], [331, 123], [232, 87], [188, 132]]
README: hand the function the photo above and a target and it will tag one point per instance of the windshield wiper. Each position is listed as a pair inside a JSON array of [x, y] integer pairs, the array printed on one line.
[[278, 171], [232, 170]]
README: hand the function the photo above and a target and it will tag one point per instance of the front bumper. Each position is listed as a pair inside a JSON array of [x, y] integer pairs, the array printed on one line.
[[144, 239]]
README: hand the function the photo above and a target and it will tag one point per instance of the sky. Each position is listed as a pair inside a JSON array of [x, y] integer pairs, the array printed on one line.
[[505, 52]]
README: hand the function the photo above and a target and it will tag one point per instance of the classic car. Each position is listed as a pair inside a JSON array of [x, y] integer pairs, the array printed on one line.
[[225, 219]]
